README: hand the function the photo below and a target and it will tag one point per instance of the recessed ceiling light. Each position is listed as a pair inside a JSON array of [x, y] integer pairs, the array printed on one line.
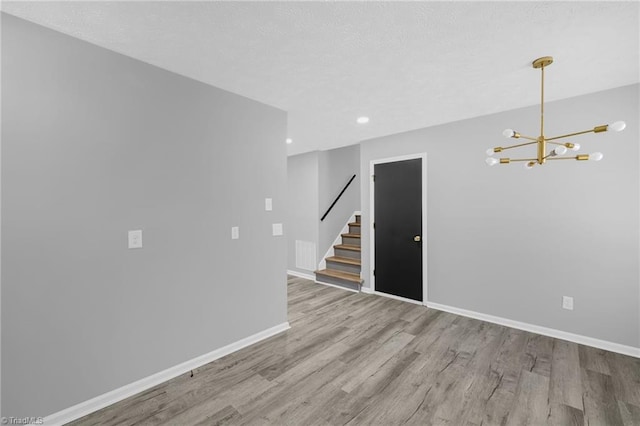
[[289, 140], [362, 120]]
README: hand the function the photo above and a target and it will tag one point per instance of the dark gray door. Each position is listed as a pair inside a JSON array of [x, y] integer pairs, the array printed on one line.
[[398, 228]]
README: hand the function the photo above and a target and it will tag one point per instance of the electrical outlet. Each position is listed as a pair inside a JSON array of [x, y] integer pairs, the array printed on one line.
[[135, 239], [235, 232], [268, 204], [277, 229], [567, 303]]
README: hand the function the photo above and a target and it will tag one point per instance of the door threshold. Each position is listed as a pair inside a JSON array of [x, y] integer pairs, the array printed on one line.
[[402, 299]]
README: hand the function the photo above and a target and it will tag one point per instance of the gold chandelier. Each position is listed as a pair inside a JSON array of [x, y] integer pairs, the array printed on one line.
[[542, 141]]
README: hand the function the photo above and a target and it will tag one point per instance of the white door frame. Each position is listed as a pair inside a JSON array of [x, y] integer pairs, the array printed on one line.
[[372, 213]]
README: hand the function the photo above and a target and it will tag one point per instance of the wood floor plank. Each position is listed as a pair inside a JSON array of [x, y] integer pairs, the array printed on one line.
[[209, 398], [411, 397], [600, 405], [538, 354], [228, 415], [406, 399], [531, 400], [564, 415], [594, 359], [625, 374], [566, 384], [422, 322], [469, 380], [479, 381], [413, 312], [288, 359], [433, 331], [301, 370], [371, 364], [363, 359], [630, 414], [505, 372], [373, 334], [271, 405], [342, 410]]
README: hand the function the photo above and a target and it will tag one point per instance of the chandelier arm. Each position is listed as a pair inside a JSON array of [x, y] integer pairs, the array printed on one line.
[[528, 137], [563, 158], [570, 134], [523, 159], [519, 145]]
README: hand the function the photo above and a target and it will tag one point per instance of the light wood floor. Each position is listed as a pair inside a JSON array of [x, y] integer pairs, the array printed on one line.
[[362, 359]]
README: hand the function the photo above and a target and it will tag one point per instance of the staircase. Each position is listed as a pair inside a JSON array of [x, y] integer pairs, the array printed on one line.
[[343, 268]]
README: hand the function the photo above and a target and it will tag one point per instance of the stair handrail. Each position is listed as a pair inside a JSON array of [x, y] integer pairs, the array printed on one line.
[[337, 198]]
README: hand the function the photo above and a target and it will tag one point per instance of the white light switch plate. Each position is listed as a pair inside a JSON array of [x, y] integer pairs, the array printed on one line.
[[277, 229], [235, 232], [268, 204], [135, 238], [567, 303]]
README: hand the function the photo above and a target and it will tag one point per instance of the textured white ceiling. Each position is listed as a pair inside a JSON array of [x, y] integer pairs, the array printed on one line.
[[406, 65]]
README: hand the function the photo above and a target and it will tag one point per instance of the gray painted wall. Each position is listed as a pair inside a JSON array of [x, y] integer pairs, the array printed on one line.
[[511, 242], [336, 167], [302, 209], [95, 144]]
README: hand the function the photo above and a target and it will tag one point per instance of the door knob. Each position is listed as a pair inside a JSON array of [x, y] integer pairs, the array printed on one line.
[[417, 238]]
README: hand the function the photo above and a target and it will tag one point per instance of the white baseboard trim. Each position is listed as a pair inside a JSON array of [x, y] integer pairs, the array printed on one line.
[[558, 334], [366, 290], [301, 275], [337, 286], [116, 395]]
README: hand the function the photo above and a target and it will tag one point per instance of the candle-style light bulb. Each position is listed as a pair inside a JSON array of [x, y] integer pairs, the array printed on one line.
[[560, 150], [508, 133], [618, 126]]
